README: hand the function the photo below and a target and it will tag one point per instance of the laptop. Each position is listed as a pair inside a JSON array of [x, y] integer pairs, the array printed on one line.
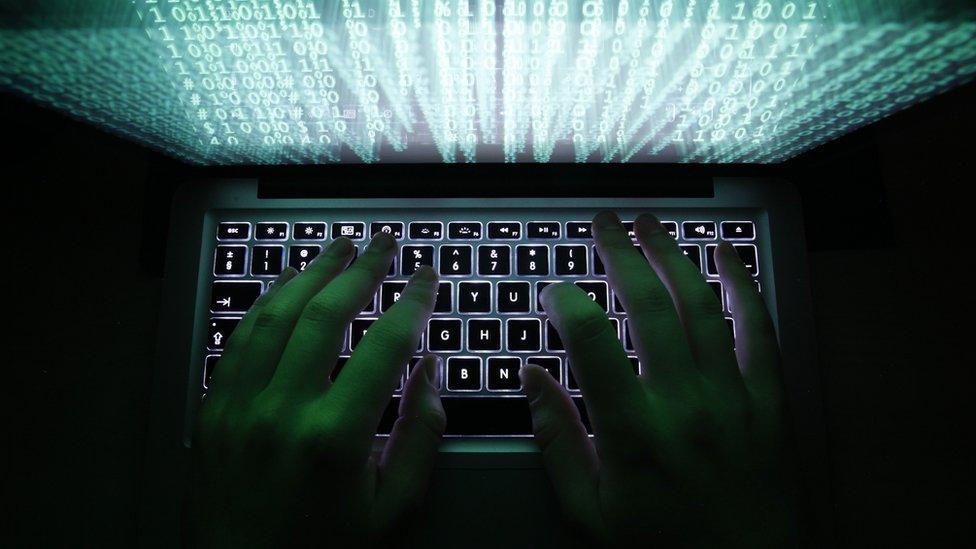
[[483, 135]]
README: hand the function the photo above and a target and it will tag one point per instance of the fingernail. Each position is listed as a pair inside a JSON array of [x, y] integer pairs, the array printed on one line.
[[648, 224], [431, 369], [544, 295], [286, 275], [425, 273], [340, 247], [606, 220], [381, 241], [729, 251], [529, 384]]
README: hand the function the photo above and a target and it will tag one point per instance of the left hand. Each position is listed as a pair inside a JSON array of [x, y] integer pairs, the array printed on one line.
[[283, 457]]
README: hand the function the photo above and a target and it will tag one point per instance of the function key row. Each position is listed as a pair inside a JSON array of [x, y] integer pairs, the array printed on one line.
[[470, 230]]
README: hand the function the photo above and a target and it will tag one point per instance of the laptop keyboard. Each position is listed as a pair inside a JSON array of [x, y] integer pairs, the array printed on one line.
[[487, 319]]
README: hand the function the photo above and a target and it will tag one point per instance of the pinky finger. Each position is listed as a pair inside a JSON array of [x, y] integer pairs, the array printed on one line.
[[756, 346]]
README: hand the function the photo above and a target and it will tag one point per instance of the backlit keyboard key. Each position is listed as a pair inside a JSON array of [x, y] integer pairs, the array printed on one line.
[[463, 373], [552, 364], [692, 252], [309, 231], [539, 286], [230, 260], [532, 260], [209, 365], [738, 230], [444, 303], [598, 267], [352, 230], [271, 231], [426, 230], [514, 297], [474, 297], [220, 330], [502, 373], [413, 257], [464, 230], [749, 257], [299, 257], [571, 260], [455, 260], [553, 341], [233, 231], [546, 230], [390, 293], [747, 253], [358, 330], [629, 227], [504, 230], [494, 260], [579, 230], [444, 334], [484, 334], [227, 296], [524, 334], [671, 227], [698, 230], [267, 260], [392, 228], [597, 291]]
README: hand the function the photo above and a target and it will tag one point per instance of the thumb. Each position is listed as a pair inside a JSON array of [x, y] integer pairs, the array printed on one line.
[[567, 452], [410, 452]]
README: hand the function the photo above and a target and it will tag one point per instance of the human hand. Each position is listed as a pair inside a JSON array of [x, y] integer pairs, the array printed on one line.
[[283, 457], [694, 452]]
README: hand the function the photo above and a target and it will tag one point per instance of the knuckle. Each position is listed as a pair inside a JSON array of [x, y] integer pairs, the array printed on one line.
[[324, 308], [394, 336], [273, 315], [264, 426], [649, 299], [702, 301], [587, 325]]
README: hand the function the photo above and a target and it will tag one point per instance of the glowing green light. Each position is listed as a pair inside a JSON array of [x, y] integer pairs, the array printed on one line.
[[300, 81]]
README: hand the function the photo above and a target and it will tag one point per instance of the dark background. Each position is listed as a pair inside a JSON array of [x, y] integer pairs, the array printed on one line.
[[888, 226]]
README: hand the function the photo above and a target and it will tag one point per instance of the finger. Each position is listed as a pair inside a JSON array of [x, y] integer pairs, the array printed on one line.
[[698, 308], [314, 345], [658, 336], [411, 451], [567, 452], [237, 342], [756, 346], [370, 375], [614, 396], [274, 324]]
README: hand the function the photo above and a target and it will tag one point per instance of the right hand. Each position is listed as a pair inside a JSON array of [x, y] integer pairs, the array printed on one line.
[[694, 452]]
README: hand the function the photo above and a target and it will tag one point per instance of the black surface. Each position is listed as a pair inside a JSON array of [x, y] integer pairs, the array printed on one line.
[[86, 218]]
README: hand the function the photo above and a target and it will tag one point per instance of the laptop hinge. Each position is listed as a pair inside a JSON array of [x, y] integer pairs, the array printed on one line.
[[487, 180]]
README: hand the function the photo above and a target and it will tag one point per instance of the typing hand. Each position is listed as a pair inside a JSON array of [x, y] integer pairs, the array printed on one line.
[[282, 456], [693, 452]]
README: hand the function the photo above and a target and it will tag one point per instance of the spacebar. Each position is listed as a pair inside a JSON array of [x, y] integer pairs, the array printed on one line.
[[487, 416], [492, 416]]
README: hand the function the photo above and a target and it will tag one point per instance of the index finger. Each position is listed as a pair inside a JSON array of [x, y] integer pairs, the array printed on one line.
[[370, 375], [615, 399]]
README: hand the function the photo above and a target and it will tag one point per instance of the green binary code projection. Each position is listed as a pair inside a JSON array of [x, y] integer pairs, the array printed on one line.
[[318, 81]]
